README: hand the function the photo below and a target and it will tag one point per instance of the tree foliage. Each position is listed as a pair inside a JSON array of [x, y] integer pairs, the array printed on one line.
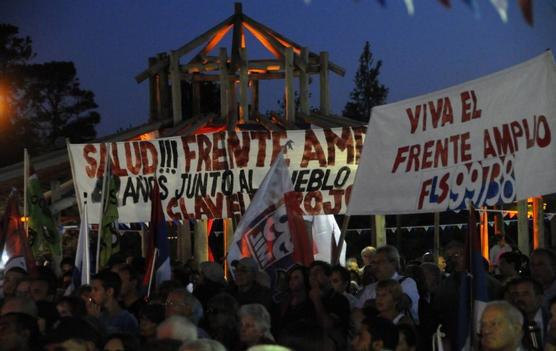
[[41, 104], [368, 91]]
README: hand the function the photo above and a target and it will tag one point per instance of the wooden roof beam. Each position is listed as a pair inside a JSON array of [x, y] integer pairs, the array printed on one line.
[[184, 49]]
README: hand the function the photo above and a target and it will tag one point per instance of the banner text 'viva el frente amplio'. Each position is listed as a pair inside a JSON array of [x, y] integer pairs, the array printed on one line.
[[215, 175]]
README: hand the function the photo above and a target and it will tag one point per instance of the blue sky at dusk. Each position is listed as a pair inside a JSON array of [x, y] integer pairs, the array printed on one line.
[[110, 42]]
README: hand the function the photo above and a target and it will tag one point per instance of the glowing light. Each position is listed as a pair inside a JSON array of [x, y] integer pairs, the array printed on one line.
[[273, 68], [24, 219]]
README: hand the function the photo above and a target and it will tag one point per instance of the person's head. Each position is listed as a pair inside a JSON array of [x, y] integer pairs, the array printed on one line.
[[181, 302], [254, 324], [222, 311], [298, 279], [67, 264], [106, 287], [352, 265], [389, 296], [366, 255], [525, 294], [543, 266], [71, 332], [121, 342], [150, 317], [432, 275], [23, 288], [385, 263], [130, 279], [71, 306], [407, 338], [177, 328], [501, 326], [40, 290], [245, 272], [18, 331], [375, 334], [12, 277], [203, 345], [509, 264], [211, 272], [339, 278], [16, 304], [455, 257], [441, 262], [319, 274], [84, 292]]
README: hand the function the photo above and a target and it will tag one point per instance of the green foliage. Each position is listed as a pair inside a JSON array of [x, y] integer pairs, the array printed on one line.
[[40, 104], [368, 91]]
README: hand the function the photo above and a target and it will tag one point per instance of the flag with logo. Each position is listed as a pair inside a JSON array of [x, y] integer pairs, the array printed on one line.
[[473, 288], [81, 269], [272, 230], [44, 237], [109, 235], [158, 246], [13, 239]]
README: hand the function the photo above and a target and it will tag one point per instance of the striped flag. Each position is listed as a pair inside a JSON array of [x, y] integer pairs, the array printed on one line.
[[158, 246], [473, 288], [82, 269], [13, 239]]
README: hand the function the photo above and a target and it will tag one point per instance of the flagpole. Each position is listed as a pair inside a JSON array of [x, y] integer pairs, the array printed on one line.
[[25, 185], [155, 253], [102, 199], [338, 248], [73, 178], [472, 336], [86, 259]]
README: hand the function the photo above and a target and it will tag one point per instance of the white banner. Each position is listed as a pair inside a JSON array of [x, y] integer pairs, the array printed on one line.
[[215, 175], [487, 141]]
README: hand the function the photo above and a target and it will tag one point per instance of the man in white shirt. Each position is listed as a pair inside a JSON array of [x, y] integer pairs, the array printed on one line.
[[385, 265]]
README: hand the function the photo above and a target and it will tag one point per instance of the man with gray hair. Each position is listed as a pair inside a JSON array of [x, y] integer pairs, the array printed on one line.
[[181, 302], [501, 327], [385, 265], [177, 328]]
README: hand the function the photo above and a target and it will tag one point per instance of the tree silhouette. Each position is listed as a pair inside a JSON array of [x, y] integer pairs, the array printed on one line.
[[368, 91]]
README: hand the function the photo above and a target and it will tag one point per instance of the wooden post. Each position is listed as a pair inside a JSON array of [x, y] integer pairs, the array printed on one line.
[[484, 235], [232, 103], [201, 241], [184, 241], [288, 89], [304, 82], [380, 230], [176, 87], [224, 85], [324, 92], [538, 223], [153, 93], [196, 96], [243, 86], [254, 98], [436, 245], [164, 89], [522, 227]]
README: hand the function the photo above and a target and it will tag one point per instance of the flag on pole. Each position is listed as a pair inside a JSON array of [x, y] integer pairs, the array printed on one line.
[[44, 237], [473, 289], [271, 227], [158, 247], [108, 231], [81, 269], [13, 239]]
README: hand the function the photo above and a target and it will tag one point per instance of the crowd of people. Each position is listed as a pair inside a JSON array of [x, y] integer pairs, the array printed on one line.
[[374, 302]]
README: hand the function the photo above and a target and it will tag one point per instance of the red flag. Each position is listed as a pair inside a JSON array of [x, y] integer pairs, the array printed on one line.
[[302, 241], [446, 3], [13, 237], [527, 10]]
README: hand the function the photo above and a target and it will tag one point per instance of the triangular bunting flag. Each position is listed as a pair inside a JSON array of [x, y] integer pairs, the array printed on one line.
[[443, 227], [549, 216], [460, 226], [501, 7], [527, 10]]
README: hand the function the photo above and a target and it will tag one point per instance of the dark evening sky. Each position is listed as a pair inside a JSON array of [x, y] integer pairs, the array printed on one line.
[[110, 42]]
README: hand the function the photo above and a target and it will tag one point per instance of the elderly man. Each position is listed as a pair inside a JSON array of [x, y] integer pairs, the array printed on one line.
[[177, 328], [501, 327], [385, 265], [247, 290]]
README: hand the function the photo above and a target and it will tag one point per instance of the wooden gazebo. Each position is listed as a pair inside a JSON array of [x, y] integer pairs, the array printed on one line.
[[290, 60]]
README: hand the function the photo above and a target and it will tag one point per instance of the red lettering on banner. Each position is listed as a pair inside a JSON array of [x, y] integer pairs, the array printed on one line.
[[337, 194], [313, 203], [133, 167], [427, 153], [400, 157], [188, 154], [344, 142], [262, 137], [358, 135], [441, 153], [465, 148], [232, 205], [547, 137], [413, 116], [116, 168], [215, 208], [183, 209], [204, 145], [102, 163], [201, 208], [173, 202], [311, 142], [469, 109], [146, 149], [277, 146], [219, 162], [440, 112], [91, 167], [240, 153]]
